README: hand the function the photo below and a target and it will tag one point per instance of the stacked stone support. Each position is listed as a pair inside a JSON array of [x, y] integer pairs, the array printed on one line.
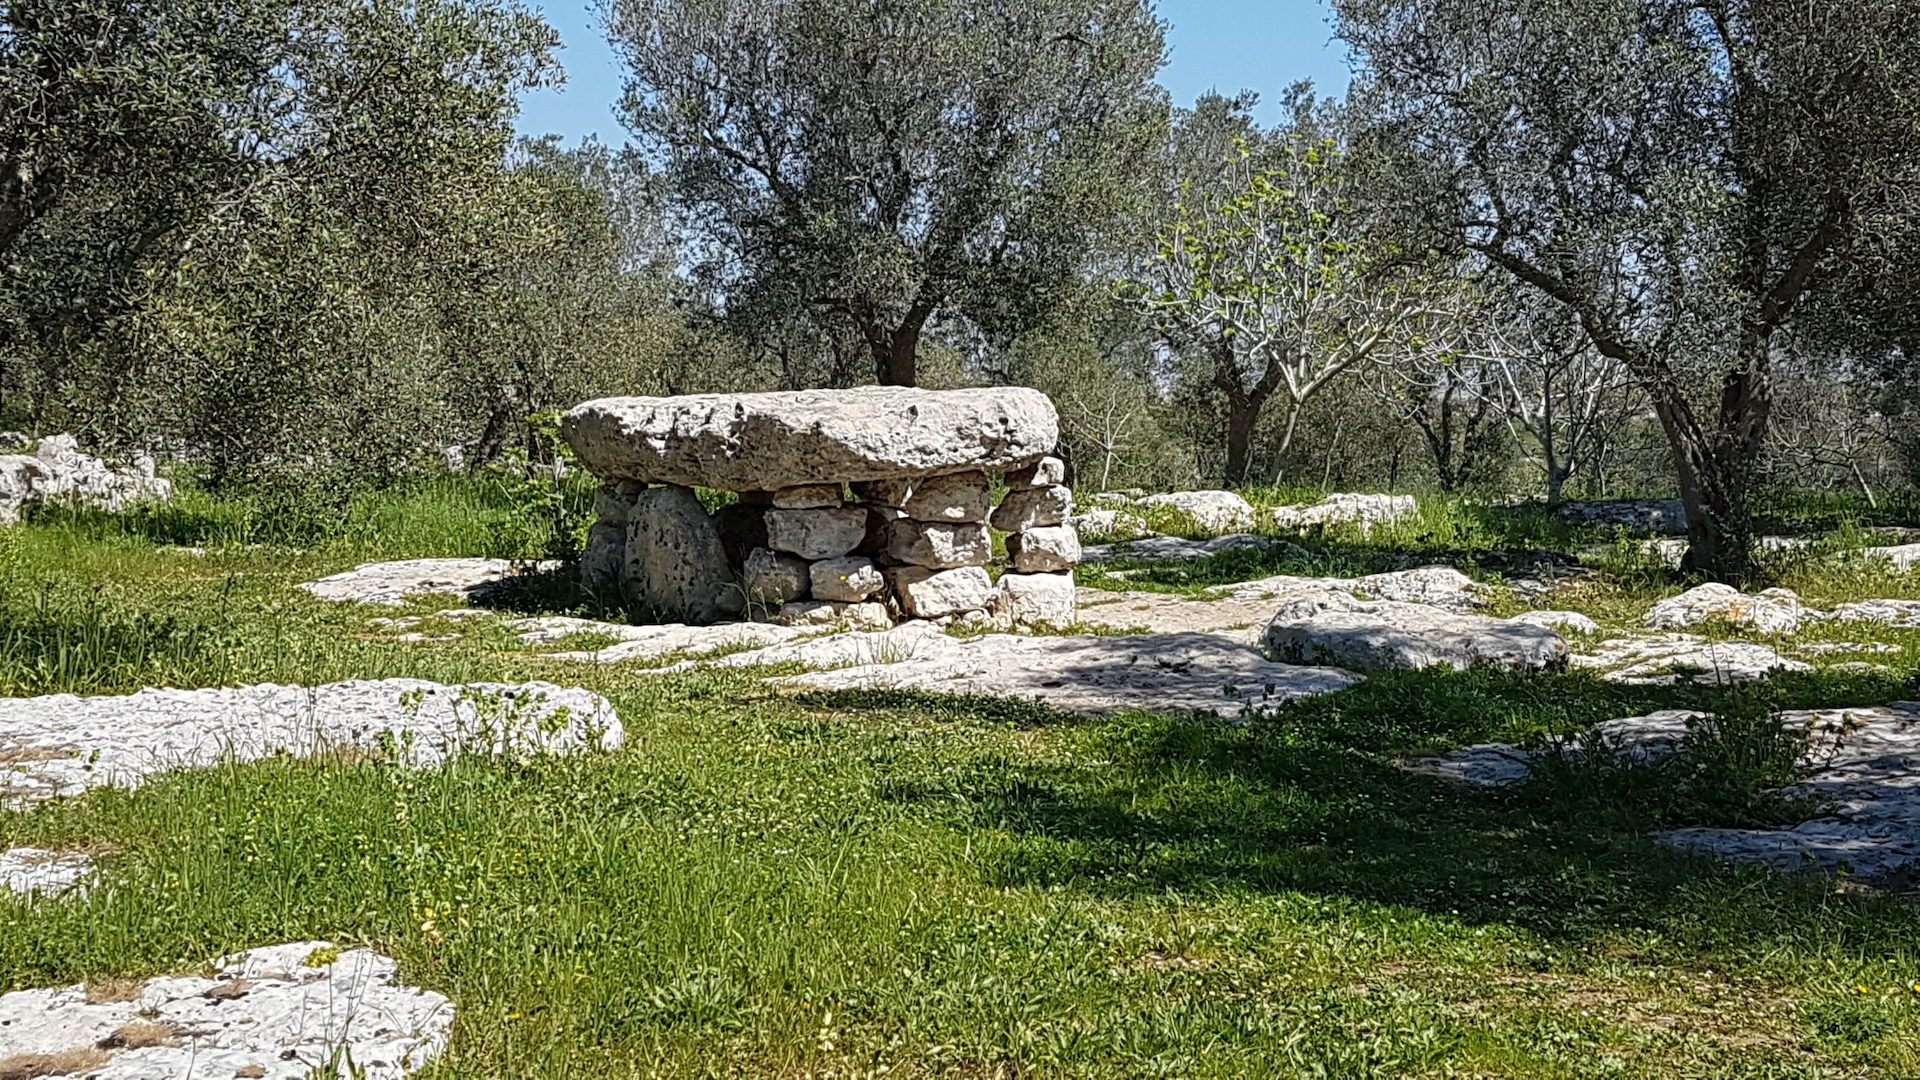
[[861, 507]]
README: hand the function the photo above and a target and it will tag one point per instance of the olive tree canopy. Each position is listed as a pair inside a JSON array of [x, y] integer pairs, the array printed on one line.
[[876, 164]]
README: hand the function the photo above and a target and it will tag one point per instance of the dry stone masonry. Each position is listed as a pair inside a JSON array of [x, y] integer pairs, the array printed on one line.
[[852, 506]]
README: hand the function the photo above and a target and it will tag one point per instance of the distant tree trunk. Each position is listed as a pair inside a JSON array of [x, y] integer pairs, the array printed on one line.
[[1243, 415], [896, 352], [1716, 468]]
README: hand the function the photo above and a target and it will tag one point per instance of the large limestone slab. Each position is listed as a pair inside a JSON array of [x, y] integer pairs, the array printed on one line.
[[63, 745], [1338, 630], [757, 442], [393, 583], [649, 642], [1214, 511], [285, 1012], [30, 871], [1776, 611], [1162, 673], [1667, 659], [1342, 508]]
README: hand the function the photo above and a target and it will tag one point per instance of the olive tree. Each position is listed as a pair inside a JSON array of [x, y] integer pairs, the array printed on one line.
[[876, 166], [1681, 176]]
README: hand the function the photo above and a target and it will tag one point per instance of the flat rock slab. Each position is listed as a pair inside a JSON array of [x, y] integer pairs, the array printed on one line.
[[1900, 613], [1667, 659], [37, 871], [643, 642], [1161, 673], [1347, 508], [1240, 611], [62, 745], [1774, 611], [1214, 511], [284, 1012], [1383, 634], [1178, 549], [394, 583], [1864, 763], [763, 442]]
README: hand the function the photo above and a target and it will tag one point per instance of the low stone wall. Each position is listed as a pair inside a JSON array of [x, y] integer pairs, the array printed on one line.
[[878, 506]]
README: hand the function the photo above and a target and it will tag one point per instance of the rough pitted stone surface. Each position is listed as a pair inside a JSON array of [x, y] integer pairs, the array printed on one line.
[[1671, 658], [1345, 508], [612, 507], [742, 442], [930, 594], [676, 562], [1036, 599], [1047, 472], [64, 745], [1044, 550], [1864, 763], [770, 577], [939, 546], [1337, 630], [809, 497], [1240, 611], [956, 497], [1033, 509], [846, 580], [1902, 613], [1214, 511], [264, 1013], [21, 477], [1559, 620], [605, 557], [1775, 611], [1170, 673], [1175, 548], [27, 871], [391, 583], [1642, 515], [817, 534], [816, 613]]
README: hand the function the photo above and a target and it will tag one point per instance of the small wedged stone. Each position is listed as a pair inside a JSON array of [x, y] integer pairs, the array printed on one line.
[[1047, 472], [738, 442], [809, 497], [939, 546], [1033, 509], [1044, 550], [847, 580], [773, 578], [926, 593], [957, 497], [817, 534], [893, 493]]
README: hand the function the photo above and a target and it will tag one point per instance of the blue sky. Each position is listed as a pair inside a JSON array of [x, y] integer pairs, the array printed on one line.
[[1225, 45]]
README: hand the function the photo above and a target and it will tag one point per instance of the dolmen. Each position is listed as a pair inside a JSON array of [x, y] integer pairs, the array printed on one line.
[[864, 506]]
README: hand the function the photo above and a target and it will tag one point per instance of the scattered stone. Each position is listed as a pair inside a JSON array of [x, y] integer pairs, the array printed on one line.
[[846, 580], [1438, 586], [1831, 648], [284, 1012], [956, 497], [1180, 549], [773, 578], [809, 497], [1559, 620], [939, 546], [1044, 550], [742, 442], [1035, 508], [1047, 472], [928, 594], [58, 473], [1901, 613], [1214, 511], [817, 534], [816, 613], [676, 564], [1036, 599], [1775, 611], [1165, 673], [33, 871], [1343, 508], [1106, 522], [1865, 765], [1337, 630], [1667, 516], [1904, 557], [394, 583], [61, 745], [1668, 659]]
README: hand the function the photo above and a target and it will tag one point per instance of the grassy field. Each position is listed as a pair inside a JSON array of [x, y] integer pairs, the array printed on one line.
[[878, 885]]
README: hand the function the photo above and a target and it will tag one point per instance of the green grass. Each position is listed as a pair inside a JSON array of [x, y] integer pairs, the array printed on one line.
[[906, 885]]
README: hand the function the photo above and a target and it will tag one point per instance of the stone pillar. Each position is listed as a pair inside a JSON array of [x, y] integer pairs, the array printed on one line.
[[1042, 547]]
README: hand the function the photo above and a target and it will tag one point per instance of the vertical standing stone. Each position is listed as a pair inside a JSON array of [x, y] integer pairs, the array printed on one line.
[[676, 564]]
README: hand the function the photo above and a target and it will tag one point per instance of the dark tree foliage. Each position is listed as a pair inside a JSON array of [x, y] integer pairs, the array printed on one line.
[[1687, 177]]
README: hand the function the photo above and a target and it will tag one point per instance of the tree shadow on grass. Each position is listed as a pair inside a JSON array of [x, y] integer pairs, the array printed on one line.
[[1312, 801]]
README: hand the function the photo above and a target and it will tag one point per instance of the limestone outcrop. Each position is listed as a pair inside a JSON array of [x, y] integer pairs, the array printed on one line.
[[58, 473], [1337, 630], [850, 506]]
